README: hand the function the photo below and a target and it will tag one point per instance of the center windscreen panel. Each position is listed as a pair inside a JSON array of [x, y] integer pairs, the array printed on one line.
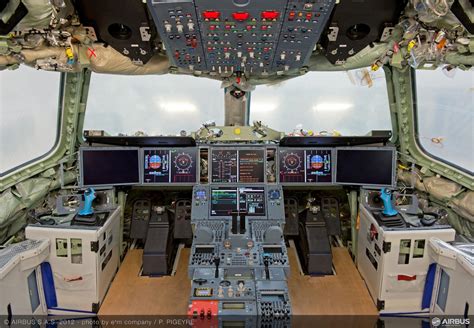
[[183, 165], [223, 201], [251, 166], [224, 166], [292, 166], [156, 166], [318, 166]]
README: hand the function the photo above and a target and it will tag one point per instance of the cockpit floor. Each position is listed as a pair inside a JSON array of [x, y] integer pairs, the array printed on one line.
[[342, 294]]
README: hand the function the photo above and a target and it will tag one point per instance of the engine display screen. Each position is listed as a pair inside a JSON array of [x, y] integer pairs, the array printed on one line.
[[109, 167], [169, 166], [305, 166], [224, 166], [251, 166], [238, 166], [365, 166], [238, 200]]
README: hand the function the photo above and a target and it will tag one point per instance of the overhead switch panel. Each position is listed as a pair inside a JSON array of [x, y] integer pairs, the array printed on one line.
[[239, 37]]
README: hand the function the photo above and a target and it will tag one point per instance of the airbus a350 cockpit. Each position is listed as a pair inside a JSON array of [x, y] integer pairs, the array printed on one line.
[[236, 162]]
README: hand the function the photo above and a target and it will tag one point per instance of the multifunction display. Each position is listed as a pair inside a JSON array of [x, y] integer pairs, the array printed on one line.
[[228, 201], [169, 166], [305, 166], [243, 166]]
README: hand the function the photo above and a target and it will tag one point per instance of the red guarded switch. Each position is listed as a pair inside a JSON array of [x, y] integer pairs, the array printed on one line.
[[270, 14], [240, 16], [211, 14]]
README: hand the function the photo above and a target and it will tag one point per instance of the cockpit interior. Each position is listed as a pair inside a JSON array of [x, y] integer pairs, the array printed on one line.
[[237, 163]]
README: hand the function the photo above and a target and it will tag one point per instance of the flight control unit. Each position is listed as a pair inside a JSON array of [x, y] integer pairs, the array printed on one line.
[[239, 261]]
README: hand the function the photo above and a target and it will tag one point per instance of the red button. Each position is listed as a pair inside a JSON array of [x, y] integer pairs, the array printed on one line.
[[270, 14], [211, 14], [240, 16]]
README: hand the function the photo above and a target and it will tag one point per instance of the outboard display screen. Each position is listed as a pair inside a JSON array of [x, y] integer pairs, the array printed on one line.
[[366, 167], [104, 167]]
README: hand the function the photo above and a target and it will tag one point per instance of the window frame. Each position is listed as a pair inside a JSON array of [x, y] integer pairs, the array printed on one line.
[[416, 127], [60, 107]]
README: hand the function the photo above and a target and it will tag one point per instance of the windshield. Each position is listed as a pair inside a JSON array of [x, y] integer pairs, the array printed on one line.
[[445, 116], [350, 103], [29, 115], [153, 104]]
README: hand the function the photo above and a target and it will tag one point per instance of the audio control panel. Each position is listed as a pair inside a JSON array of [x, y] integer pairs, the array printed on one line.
[[240, 37]]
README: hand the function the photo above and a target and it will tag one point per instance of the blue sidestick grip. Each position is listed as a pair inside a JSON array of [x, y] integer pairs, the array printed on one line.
[[89, 196], [386, 197]]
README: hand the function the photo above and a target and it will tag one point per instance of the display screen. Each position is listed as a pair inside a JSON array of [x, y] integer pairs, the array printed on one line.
[[305, 166], [233, 305], [365, 166], [318, 166], [243, 165], [251, 166], [292, 166], [235, 201], [156, 166], [109, 167], [203, 292], [169, 166], [183, 165], [224, 166]]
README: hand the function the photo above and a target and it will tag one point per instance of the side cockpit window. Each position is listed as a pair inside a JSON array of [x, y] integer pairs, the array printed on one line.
[[444, 116], [29, 116]]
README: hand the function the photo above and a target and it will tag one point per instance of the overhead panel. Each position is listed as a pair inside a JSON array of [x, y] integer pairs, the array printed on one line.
[[241, 37]]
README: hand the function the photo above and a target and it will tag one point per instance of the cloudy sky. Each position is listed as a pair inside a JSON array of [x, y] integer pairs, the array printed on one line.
[[319, 101]]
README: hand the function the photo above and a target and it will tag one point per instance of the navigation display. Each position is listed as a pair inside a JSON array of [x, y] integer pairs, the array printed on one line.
[[224, 165], [318, 166], [183, 168], [169, 166], [109, 166], [251, 166], [238, 200], [292, 166], [305, 166]]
